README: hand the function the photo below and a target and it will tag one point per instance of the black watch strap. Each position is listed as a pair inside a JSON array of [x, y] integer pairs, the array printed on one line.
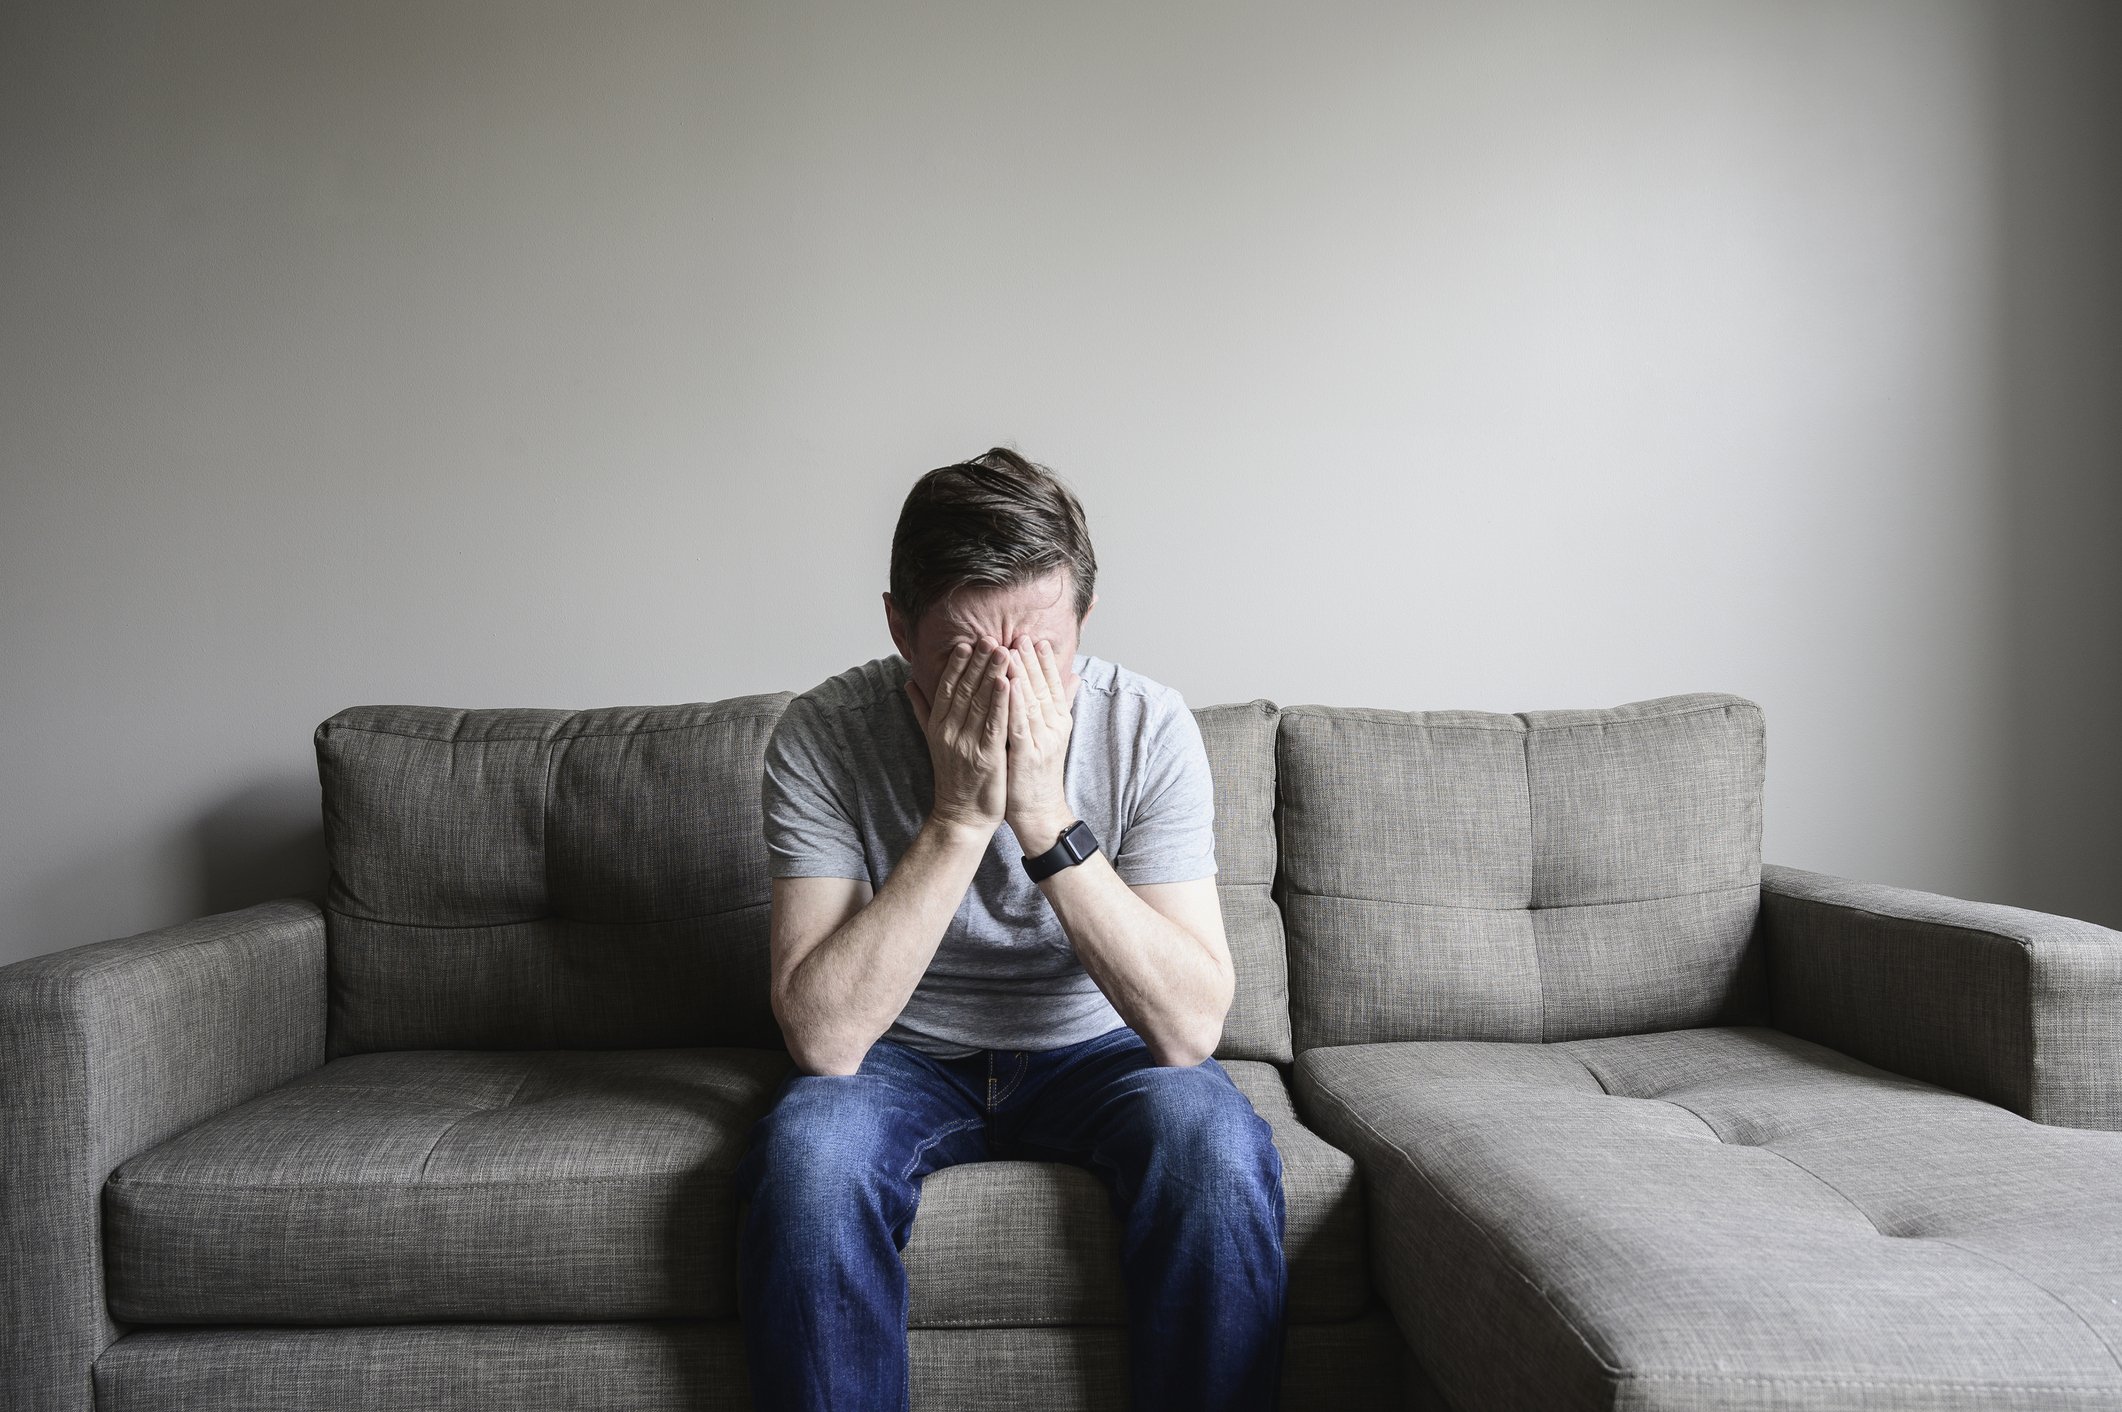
[[1077, 843]]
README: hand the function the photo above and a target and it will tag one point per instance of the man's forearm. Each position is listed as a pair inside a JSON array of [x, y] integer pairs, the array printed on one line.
[[1157, 974], [852, 985]]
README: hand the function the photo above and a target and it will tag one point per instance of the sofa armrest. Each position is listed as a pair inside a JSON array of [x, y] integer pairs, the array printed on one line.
[[2018, 1008], [107, 1049]]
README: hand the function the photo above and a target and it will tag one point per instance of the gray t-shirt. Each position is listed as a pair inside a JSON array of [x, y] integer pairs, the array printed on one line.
[[848, 786]]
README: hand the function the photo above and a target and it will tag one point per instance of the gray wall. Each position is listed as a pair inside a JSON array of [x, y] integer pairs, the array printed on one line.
[[1414, 355]]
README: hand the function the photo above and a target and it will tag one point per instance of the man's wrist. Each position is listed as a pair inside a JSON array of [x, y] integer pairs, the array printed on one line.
[[958, 833], [1038, 832]]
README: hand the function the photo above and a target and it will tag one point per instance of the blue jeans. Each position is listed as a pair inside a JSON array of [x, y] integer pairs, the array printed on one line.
[[832, 1178]]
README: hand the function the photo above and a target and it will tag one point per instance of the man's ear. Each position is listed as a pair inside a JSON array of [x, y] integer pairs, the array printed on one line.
[[896, 629]]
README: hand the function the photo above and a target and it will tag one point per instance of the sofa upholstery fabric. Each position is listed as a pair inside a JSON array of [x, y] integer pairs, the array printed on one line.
[[1551, 875], [448, 1184], [1240, 741], [1725, 1218], [532, 1185], [2015, 1007], [671, 1366], [517, 878]]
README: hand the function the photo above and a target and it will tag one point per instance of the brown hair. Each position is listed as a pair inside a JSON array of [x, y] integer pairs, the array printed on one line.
[[993, 521]]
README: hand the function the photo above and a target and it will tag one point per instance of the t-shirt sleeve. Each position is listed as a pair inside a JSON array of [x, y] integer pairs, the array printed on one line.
[[1172, 835], [807, 800]]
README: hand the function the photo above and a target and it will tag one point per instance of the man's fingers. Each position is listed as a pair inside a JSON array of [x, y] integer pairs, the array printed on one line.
[[1020, 699], [1038, 690], [1057, 688], [952, 682], [997, 670], [998, 694], [970, 697]]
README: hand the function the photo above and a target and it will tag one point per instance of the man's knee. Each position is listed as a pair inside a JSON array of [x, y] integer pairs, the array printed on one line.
[[1204, 1129], [824, 1151]]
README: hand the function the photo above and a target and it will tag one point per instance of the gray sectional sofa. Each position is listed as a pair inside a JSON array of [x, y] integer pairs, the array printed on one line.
[[1579, 1105]]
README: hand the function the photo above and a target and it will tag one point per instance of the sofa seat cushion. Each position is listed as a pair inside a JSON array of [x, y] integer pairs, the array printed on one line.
[[448, 1184], [1724, 1218], [420, 1185]]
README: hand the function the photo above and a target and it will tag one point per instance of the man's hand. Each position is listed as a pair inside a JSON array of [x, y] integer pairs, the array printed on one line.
[[1042, 697], [967, 743]]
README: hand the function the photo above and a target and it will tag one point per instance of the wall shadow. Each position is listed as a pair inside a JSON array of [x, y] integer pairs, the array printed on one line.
[[2059, 183], [264, 841]]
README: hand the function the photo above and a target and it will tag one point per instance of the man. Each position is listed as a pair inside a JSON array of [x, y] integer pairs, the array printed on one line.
[[946, 1003]]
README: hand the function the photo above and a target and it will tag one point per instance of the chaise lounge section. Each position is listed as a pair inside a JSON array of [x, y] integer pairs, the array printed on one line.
[[1608, 1082]]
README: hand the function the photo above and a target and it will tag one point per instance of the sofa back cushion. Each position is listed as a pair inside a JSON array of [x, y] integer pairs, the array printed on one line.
[[1240, 740], [523, 879], [1549, 875]]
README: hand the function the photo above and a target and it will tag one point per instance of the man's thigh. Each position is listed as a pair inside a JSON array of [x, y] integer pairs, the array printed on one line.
[[1108, 1105], [827, 1137]]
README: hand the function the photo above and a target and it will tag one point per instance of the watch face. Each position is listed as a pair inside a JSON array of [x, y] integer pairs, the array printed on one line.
[[1080, 841]]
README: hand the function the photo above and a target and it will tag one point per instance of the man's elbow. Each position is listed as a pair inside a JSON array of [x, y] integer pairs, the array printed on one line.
[[838, 1066], [823, 1058], [812, 1052], [1206, 1032], [1189, 1049]]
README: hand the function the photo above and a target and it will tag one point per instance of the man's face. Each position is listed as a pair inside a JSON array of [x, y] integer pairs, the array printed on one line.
[[1043, 607]]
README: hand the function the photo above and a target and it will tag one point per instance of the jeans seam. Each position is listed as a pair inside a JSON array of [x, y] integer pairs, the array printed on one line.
[[1024, 1065], [933, 1139]]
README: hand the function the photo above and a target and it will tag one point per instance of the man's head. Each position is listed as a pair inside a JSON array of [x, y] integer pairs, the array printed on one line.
[[994, 546]]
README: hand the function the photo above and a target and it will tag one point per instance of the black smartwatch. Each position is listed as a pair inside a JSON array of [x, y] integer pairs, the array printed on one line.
[[1077, 843]]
